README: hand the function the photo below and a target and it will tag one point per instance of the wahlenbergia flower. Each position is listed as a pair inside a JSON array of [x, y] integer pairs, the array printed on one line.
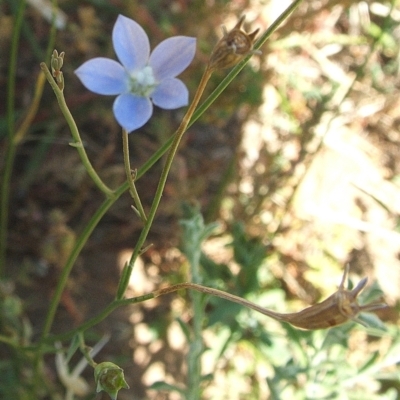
[[140, 79]]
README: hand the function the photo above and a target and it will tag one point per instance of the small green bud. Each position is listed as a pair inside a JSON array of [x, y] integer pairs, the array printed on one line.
[[57, 61], [110, 378]]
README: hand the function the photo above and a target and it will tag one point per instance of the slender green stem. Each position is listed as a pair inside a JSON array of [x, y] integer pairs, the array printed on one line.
[[5, 200], [74, 255], [9, 341], [161, 292], [163, 178], [13, 69], [196, 348], [11, 149], [14, 140], [218, 293], [32, 110], [86, 351], [132, 187], [75, 133], [194, 233], [100, 317]]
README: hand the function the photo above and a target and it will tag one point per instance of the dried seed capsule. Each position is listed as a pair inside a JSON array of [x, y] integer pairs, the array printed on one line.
[[232, 47], [342, 306]]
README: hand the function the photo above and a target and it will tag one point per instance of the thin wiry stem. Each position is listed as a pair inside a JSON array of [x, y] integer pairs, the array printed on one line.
[[131, 179], [163, 179], [78, 144]]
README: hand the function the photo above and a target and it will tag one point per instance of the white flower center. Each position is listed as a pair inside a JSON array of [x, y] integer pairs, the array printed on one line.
[[142, 83]]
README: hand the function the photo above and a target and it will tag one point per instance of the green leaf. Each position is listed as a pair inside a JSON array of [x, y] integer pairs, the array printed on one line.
[[161, 385], [73, 347], [185, 329], [123, 283], [372, 321], [369, 363]]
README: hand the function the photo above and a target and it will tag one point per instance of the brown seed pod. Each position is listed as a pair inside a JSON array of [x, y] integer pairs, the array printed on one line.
[[232, 47], [342, 306]]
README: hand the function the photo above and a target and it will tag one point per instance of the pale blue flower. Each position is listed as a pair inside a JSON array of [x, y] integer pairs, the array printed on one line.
[[140, 79]]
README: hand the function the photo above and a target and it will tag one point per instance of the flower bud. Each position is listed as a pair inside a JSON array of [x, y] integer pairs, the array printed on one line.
[[233, 47], [57, 61], [110, 378]]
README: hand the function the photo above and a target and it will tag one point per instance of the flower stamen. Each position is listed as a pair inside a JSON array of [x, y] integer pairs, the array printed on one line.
[[142, 83]]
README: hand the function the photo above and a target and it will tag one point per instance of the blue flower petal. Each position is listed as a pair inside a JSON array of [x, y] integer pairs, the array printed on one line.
[[131, 111], [131, 43], [170, 93], [172, 56], [103, 76]]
